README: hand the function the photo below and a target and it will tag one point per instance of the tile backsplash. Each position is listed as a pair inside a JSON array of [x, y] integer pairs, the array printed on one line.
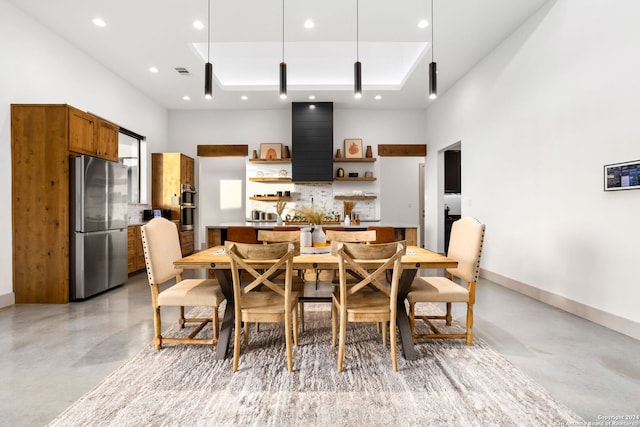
[[134, 212]]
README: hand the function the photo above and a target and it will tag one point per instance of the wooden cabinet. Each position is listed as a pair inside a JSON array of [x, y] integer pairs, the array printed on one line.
[[186, 242], [43, 136], [186, 170], [135, 253], [168, 170], [91, 135]]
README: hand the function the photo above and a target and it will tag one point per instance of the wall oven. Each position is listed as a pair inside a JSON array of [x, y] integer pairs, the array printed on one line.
[[187, 206]]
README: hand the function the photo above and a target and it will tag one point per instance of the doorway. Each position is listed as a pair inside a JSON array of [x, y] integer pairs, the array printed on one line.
[[451, 209]]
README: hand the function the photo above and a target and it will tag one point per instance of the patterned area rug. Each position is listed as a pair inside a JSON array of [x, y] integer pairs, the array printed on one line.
[[450, 384]]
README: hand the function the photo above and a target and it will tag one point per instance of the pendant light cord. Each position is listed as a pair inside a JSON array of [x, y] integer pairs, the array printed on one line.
[[209, 31], [432, 30], [357, 31], [282, 30]]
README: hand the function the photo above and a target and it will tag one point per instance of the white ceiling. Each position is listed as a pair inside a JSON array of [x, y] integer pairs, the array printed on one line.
[[246, 46]]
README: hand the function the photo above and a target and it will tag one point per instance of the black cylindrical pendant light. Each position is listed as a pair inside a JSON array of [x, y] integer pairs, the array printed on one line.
[[283, 65], [208, 80], [208, 67], [283, 80], [357, 67], [433, 82], [433, 67], [357, 78]]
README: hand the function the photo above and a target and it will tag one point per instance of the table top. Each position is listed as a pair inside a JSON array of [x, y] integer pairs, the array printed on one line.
[[215, 258]]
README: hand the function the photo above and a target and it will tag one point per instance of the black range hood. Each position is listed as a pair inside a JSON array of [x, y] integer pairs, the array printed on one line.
[[312, 141]]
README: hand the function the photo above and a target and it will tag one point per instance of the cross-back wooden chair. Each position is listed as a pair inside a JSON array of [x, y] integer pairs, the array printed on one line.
[[261, 300], [286, 236], [161, 248], [353, 236], [467, 237], [371, 299]]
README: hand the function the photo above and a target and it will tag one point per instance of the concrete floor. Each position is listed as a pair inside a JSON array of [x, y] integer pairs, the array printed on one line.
[[50, 355]]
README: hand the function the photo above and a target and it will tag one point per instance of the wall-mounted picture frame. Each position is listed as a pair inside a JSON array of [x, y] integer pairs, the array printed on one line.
[[270, 151], [353, 148], [622, 176]]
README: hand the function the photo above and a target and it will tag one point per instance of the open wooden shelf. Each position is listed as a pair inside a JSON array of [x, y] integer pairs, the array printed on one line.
[[270, 198], [355, 197], [272, 161], [270, 179], [346, 178], [354, 160]]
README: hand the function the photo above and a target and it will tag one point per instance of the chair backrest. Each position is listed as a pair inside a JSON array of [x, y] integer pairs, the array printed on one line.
[[383, 234], [351, 236], [385, 256], [269, 236], [465, 245], [161, 246], [261, 262], [241, 234]]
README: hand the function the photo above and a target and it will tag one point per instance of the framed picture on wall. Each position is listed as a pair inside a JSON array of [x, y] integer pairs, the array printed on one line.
[[622, 176], [353, 148], [270, 151]]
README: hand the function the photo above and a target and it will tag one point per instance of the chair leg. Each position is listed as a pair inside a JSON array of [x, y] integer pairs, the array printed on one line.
[[295, 326], [384, 333], [341, 339], [181, 320], [412, 321], [287, 336], [392, 338], [448, 318], [301, 313], [216, 323], [236, 343], [157, 340], [334, 324], [246, 334], [469, 324]]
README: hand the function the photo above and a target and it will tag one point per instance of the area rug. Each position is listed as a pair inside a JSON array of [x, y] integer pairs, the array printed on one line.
[[450, 384]]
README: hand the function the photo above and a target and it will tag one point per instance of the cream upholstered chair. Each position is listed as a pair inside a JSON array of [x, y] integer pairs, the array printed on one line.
[[467, 236], [371, 299], [161, 248], [270, 303]]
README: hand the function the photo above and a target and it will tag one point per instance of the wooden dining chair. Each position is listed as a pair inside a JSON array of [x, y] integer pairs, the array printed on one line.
[[371, 299], [361, 236], [286, 236], [467, 237], [161, 247], [262, 300]]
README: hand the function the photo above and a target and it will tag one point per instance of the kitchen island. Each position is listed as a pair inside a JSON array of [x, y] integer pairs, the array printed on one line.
[[217, 234]]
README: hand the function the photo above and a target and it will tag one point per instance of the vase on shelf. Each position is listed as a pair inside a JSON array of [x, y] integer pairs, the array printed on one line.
[[369, 153], [318, 236]]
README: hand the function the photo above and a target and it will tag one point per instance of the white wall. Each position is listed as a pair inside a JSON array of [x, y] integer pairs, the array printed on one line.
[[538, 119], [188, 129], [39, 67]]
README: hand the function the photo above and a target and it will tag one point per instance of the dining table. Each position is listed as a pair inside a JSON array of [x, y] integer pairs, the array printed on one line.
[[219, 262]]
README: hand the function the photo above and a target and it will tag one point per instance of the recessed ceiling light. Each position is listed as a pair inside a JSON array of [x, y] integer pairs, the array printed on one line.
[[309, 24], [99, 22], [198, 25], [378, 97], [423, 23], [153, 69], [312, 97], [244, 97], [186, 98]]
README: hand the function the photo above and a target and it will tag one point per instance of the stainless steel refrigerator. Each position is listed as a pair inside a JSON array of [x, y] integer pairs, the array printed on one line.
[[98, 212]]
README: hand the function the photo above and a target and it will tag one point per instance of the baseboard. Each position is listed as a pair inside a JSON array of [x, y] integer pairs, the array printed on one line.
[[7, 299], [608, 320]]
